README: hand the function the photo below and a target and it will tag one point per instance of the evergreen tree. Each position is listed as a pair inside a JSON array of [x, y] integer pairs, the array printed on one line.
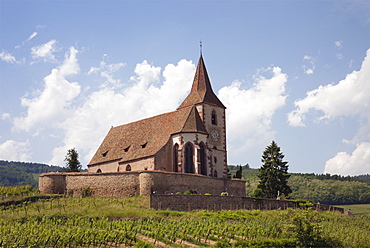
[[72, 162], [273, 174]]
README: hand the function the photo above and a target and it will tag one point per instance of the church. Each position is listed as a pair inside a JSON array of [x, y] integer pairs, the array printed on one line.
[[191, 139]]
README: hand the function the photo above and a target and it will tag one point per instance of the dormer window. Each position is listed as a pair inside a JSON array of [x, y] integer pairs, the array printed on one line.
[[104, 154], [214, 118], [127, 148], [144, 145]]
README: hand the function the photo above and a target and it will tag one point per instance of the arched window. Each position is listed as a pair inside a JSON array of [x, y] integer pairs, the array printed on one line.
[[215, 173], [128, 167], [214, 118], [189, 158], [175, 158], [202, 159], [98, 171]]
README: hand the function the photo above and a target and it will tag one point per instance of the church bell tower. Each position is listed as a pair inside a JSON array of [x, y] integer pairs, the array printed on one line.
[[212, 113]]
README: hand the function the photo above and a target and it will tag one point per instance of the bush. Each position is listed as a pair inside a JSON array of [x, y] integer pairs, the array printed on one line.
[[86, 192]]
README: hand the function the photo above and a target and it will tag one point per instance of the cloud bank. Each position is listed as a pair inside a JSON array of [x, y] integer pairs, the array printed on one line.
[[250, 111], [52, 104]]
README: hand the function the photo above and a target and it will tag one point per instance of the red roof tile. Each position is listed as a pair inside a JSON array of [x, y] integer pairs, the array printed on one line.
[[146, 137]]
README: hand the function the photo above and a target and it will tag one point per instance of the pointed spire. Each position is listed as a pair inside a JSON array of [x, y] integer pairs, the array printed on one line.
[[201, 91]]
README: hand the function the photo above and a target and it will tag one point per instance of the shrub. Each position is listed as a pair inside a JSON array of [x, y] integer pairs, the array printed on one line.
[[86, 192]]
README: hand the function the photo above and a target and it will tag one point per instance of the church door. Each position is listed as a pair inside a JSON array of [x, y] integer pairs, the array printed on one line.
[[189, 158]]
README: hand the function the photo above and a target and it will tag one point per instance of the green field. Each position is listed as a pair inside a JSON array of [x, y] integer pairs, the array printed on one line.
[[109, 222], [358, 209]]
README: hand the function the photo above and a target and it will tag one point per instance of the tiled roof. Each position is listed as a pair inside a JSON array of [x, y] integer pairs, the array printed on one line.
[[146, 137], [201, 91]]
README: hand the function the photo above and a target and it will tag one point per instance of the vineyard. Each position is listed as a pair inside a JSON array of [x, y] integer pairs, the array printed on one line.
[[109, 222]]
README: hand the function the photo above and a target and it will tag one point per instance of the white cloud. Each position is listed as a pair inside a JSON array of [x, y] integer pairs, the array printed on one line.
[[44, 51], [111, 106], [356, 163], [5, 116], [339, 56], [52, 104], [249, 112], [349, 97], [338, 44], [7, 57], [107, 71], [33, 35], [309, 69], [15, 151]]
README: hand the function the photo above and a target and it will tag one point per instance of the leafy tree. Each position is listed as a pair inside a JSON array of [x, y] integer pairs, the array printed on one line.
[[72, 162], [273, 174]]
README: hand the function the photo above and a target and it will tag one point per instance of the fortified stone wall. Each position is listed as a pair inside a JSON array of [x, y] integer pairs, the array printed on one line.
[[125, 184]]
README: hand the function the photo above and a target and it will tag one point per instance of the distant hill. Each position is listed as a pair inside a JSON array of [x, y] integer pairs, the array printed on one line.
[[23, 173], [323, 188]]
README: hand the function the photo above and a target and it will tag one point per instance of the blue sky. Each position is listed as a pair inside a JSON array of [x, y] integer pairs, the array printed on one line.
[[297, 72]]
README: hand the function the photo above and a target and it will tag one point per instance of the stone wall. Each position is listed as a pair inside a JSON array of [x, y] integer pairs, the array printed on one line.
[[215, 203], [125, 184]]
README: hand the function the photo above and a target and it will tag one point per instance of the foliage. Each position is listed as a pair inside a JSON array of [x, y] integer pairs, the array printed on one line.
[[190, 192], [72, 162], [108, 222], [20, 173], [273, 173], [86, 192], [330, 191], [9, 192]]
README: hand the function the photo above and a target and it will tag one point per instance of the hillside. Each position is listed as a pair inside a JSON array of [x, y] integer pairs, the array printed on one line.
[[110, 222], [23, 173], [323, 188]]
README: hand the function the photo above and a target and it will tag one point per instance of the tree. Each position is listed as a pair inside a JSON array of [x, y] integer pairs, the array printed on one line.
[[72, 162], [273, 174]]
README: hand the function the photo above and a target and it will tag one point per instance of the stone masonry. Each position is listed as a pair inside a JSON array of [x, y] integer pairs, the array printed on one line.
[[126, 184]]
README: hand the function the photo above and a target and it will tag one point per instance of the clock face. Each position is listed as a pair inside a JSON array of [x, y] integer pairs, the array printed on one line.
[[215, 135]]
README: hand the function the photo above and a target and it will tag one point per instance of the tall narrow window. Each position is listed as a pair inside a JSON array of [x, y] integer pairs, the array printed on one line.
[[128, 167], [202, 159], [215, 173], [214, 118], [175, 158], [189, 158]]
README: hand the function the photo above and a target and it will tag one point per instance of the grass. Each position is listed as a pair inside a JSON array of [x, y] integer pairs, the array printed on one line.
[[357, 209]]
